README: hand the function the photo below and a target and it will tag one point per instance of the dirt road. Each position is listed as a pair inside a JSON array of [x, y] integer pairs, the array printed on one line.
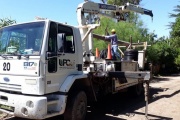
[[164, 103]]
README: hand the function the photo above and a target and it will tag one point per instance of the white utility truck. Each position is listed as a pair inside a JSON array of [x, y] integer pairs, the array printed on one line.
[[48, 69]]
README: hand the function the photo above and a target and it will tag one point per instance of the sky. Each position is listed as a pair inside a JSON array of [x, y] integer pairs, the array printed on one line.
[[65, 11], [161, 10]]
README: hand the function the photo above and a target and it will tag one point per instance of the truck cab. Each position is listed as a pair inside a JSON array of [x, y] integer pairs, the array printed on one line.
[[35, 60]]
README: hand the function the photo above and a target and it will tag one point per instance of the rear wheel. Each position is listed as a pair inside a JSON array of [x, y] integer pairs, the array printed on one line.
[[136, 90], [139, 89], [76, 106]]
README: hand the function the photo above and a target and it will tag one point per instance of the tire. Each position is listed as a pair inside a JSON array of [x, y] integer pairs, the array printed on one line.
[[76, 106], [131, 54], [137, 90]]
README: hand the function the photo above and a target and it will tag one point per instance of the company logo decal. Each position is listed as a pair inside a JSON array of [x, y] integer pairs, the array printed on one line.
[[30, 65], [6, 79], [66, 64]]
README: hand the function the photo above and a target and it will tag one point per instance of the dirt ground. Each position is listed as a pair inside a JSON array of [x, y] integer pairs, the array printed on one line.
[[164, 103]]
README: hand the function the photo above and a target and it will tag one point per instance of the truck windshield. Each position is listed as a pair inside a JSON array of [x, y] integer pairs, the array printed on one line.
[[22, 39]]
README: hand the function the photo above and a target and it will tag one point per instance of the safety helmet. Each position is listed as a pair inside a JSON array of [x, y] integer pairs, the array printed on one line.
[[113, 30]]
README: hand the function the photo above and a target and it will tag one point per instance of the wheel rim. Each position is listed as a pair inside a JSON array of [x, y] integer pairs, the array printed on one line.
[[81, 109]]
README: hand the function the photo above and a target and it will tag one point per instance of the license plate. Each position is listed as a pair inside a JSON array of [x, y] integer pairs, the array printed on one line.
[[8, 108]]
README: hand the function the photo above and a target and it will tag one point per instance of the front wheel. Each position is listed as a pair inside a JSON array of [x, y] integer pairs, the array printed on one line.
[[76, 106]]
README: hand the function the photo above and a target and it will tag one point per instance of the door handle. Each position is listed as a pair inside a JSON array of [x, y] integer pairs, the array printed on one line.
[[59, 54]]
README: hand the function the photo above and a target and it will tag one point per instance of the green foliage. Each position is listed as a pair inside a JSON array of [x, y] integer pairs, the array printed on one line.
[[175, 41], [122, 2], [177, 59], [176, 28], [123, 30], [153, 54], [163, 53], [6, 21], [177, 12], [175, 35], [166, 51]]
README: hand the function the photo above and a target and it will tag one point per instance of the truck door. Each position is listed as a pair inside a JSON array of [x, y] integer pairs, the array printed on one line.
[[62, 63], [66, 51]]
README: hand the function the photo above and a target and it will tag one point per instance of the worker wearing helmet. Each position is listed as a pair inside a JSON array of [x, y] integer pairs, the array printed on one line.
[[114, 45]]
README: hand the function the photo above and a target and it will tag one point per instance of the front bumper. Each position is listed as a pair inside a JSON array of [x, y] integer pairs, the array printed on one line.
[[33, 107]]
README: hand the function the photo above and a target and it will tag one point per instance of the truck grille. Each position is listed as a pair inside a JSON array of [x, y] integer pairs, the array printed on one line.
[[10, 87]]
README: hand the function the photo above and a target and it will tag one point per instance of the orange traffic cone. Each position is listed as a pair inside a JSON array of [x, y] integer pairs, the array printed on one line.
[[97, 53], [109, 56]]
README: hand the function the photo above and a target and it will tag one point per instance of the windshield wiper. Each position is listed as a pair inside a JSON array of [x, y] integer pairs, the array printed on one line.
[[26, 56], [15, 54], [5, 57]]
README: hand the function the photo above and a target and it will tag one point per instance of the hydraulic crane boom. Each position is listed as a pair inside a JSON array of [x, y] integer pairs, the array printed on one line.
[[114, 11], [88, 19], [120, 10], [135, 8]]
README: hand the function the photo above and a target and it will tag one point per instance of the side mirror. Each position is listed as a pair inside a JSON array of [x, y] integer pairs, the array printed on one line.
[[60, 41], [51, 55]]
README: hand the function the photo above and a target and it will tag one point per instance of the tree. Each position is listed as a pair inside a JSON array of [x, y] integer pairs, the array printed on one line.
[[6, 21], [177, 12], [122, 2], [123, 30], [162, 53], [176, 28]]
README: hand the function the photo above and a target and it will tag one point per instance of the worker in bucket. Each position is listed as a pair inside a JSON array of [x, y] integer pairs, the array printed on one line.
[[114, 45]]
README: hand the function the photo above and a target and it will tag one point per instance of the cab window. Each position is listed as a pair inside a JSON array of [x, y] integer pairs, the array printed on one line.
[[66, 41]]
